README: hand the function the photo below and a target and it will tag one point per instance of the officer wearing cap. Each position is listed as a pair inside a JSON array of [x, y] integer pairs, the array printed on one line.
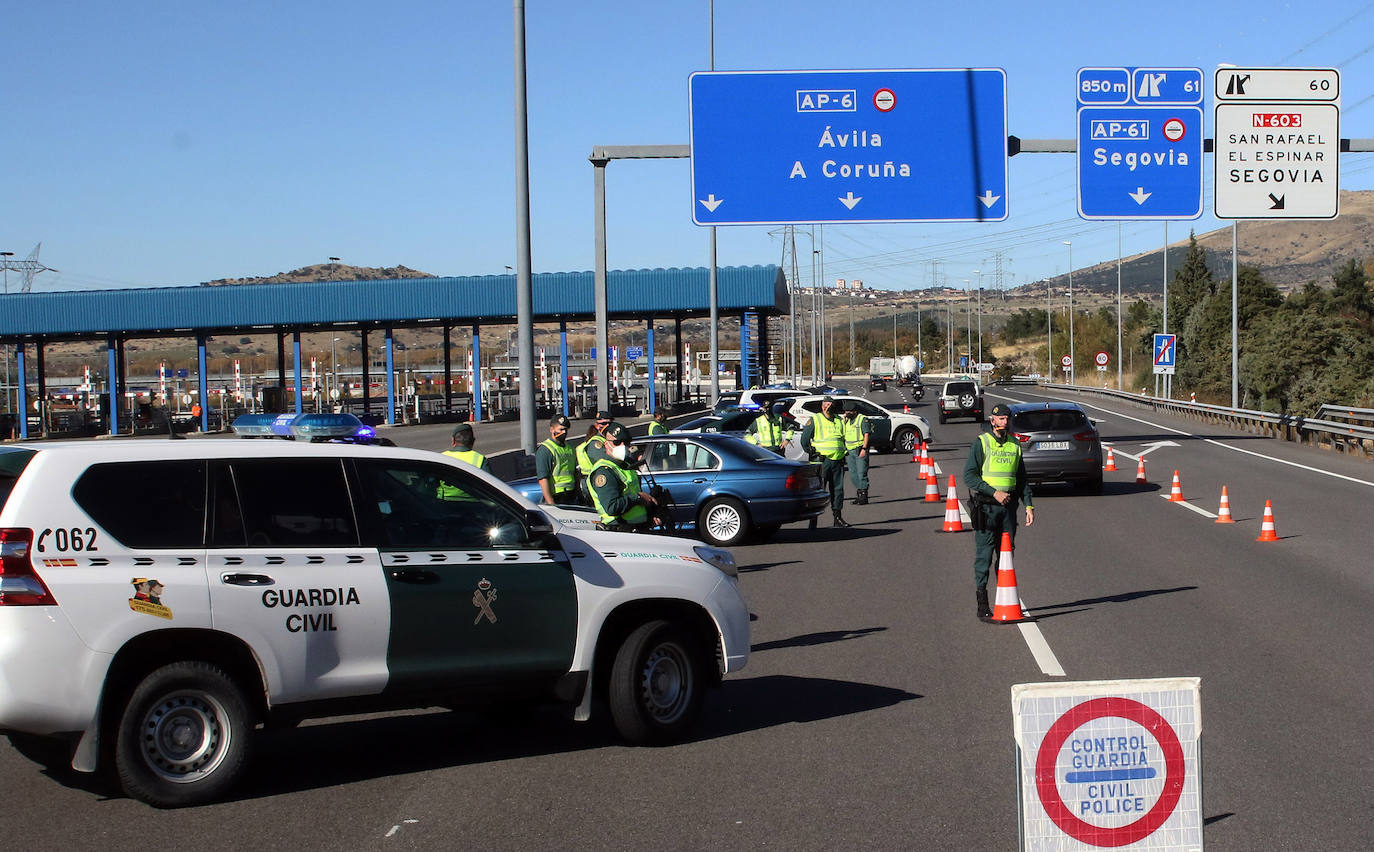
[[996, 477], [857, 434], [614, 484], [769, 431], [659, 426], [823, 438], [591, 446], [555, 464], [463, 439]]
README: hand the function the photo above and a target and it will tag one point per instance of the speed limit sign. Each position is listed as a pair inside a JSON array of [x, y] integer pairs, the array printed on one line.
[[1102, 359], [1066, 361]]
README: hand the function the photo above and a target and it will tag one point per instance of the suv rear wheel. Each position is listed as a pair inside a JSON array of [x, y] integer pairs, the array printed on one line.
[[183, 736]]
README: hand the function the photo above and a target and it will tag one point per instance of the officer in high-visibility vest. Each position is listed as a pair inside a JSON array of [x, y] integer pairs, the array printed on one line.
[[592, 445], [858, 432], [462, 450], [616, 492], [995, 474], [769, 431], [823, 439], [555, 464], [659, 425]]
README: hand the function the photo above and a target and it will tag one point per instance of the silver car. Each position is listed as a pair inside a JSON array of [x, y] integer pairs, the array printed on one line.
[[1059, 443]]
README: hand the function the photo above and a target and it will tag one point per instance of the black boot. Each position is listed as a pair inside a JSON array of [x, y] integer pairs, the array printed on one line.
[[840, 521], [862, 498], [984, 611]]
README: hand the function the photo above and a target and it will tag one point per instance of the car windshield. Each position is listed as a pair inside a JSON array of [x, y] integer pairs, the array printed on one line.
[[1049, 421]]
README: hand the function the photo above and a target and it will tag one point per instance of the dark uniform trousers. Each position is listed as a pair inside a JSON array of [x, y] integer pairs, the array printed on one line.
[[1000, 519], [832, 473]]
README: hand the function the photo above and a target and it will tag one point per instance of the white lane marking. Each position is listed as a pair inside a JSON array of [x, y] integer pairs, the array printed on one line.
[[1185, 504], [1039, 648], [1229, 447], [396, 828]]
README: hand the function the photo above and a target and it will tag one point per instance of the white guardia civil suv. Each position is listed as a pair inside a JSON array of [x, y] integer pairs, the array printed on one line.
[[158, 599]]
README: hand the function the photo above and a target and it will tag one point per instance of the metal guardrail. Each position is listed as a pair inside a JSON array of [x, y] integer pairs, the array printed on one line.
[[1356, 438]]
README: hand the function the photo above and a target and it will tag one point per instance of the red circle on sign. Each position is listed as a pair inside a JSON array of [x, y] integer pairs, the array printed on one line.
[[1102, 358], [1077, 717], [884, 100], [1174, 129], [1066, 361]]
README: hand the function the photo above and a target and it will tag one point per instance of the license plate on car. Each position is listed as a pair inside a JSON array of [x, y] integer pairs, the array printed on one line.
[[1051, 445]]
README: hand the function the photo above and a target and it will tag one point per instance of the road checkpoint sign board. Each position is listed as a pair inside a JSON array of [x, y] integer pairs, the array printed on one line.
[[1107, 764], [1277, 148], [914, 145], [1140, 143], [1166, 352]]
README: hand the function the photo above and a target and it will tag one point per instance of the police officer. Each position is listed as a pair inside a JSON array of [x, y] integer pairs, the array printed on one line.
[[593, 442], [659, 425], [463, 440], [996, 477], [858, 432], [769, 431], [555, 463], [615, 488], [823, 438], [462, 450]]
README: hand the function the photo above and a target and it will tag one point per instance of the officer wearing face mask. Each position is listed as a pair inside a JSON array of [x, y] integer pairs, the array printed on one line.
[[614, 484]]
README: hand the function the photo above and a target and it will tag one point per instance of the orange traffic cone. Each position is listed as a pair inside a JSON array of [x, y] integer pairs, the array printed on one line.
[[1007, 608], [1176, 492], [915, 453], [926, 467], [906, 409], [1224, 512], [1111, 460], [1140, 472], [932, 488], [953, 523], [1267, 532]]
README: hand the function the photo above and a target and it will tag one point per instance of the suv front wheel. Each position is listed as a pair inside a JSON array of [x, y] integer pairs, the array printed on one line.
[[657, 684], [183, 736]]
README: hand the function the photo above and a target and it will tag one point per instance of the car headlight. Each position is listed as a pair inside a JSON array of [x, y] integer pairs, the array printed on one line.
[[722, 559]]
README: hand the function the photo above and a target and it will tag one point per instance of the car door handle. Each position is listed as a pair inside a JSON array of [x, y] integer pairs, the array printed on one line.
[[698, 481], [414, 575], [246, 580]]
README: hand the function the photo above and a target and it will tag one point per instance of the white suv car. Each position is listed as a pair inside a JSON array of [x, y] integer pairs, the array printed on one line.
[[158, 599], [893, 431]]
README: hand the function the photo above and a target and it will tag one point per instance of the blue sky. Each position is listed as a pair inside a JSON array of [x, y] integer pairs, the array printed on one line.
[[158, 143]]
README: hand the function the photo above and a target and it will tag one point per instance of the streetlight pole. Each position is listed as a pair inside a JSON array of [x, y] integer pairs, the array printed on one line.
[[980, 317], [1073, 368], [968, 316], [333, 369], [5, 262]]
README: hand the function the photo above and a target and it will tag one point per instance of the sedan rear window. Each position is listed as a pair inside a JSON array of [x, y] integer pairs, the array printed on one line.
[[1049, 421]]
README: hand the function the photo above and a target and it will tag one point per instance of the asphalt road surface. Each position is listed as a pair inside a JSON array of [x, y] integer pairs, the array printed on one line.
[[875, 711]]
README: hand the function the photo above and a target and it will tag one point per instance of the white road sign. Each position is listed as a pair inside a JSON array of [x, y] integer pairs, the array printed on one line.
[[1107, 764], [1277, 148]]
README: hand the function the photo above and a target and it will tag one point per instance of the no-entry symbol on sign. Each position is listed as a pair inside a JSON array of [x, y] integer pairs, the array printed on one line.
[[1109, 764]]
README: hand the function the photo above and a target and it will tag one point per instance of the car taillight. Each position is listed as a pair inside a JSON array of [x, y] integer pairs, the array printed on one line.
[[1022, 438], [794, 482], [20, 584], [1085, 436]]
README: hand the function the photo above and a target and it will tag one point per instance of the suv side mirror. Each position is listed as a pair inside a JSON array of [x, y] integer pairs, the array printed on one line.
[[538, 522]]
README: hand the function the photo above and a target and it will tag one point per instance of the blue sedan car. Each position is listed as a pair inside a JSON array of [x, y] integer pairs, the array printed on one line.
[[723, 487]]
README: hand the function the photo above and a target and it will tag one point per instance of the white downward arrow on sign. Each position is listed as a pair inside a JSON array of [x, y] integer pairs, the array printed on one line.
[[1140, 195], [849, 200], [710, 202], [988, 198]]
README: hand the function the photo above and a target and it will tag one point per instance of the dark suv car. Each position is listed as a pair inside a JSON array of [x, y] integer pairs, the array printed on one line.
[[962, 398], [1059, 443]]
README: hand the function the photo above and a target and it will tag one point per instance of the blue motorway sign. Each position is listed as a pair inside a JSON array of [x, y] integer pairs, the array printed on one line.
[[1166, 353], [1140, 143], [634, 353], [915, 145]]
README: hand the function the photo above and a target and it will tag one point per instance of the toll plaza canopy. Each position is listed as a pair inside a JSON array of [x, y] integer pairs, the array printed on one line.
[[202, 311], [486, 300]]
